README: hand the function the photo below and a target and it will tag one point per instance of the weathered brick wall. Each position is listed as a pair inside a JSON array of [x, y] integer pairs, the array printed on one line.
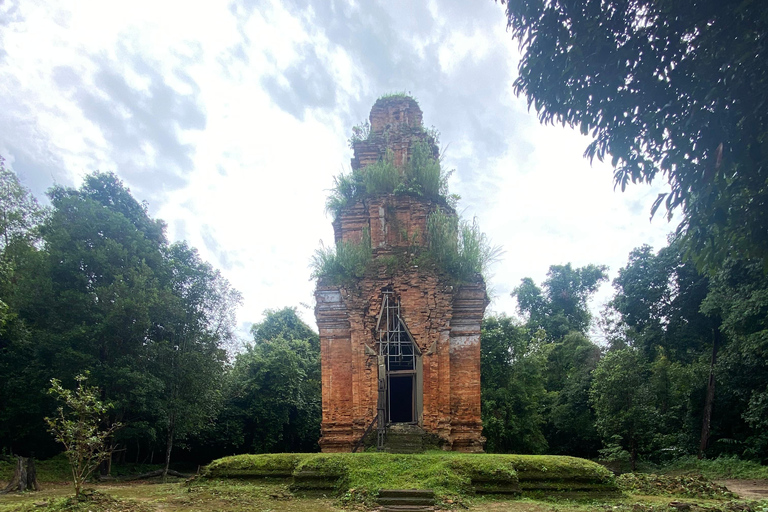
[[445, 323], [396, 123], [392, 221], [443, 319]]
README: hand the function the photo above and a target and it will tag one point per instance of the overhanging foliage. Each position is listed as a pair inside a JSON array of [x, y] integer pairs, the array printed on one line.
[[677, 88]]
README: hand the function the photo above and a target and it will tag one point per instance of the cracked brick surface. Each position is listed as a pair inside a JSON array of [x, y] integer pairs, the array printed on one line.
[[444, 318]]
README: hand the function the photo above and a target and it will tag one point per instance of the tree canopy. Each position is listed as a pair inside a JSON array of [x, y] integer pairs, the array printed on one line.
[[677, 88], [560, 305]]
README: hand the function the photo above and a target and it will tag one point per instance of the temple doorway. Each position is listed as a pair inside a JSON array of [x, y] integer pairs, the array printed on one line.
[[400, 399]]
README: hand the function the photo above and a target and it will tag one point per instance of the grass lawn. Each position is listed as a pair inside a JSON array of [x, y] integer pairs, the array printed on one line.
[[274, 496], [237, 484]]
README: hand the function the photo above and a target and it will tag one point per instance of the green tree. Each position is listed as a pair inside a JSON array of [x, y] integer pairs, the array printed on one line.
[[659, 297], [195, 326], [570, 425], [739, 295], [284, 323], [23, 284], [645, 408], [272, 399], [105, 260], [623, 401], [559, 311], [561, 306], [20, 214], [79, 429], [672, 88], [512, 387]]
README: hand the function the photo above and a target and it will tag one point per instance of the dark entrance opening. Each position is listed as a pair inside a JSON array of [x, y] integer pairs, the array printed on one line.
[[401, 398]]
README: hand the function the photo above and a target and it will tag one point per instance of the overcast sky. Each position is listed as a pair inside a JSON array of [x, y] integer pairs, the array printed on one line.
[[231, 118]]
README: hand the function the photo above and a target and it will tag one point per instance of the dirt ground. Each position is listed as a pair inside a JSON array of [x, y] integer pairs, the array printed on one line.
[[747, 489], [274, 497]]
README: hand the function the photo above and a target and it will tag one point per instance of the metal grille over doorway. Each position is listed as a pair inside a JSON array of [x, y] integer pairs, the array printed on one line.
[[397, 367]]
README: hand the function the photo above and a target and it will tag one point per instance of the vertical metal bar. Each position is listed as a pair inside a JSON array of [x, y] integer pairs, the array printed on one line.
[[399, 345]]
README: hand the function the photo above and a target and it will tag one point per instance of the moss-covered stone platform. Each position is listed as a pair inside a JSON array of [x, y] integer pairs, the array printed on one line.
[[444, 472]]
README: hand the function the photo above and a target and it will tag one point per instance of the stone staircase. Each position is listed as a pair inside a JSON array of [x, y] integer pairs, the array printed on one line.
[[406, 500], [404, 438]]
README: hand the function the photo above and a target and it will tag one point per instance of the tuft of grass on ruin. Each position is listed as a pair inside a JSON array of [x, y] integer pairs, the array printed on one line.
[[422, 176], [455, 246], [396, 95], [344, 262], [459, 247]]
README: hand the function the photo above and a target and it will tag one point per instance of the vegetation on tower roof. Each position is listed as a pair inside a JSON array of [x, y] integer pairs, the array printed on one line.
[[455, 246], [422, 176]]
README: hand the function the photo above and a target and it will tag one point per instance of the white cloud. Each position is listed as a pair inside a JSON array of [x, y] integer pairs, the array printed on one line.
[[240, 117]]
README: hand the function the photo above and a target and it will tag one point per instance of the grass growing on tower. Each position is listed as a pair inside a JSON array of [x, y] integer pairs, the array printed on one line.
[[344, 262]]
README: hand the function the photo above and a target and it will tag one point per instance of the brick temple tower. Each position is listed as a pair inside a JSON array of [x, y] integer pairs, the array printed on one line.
[[400, 347]]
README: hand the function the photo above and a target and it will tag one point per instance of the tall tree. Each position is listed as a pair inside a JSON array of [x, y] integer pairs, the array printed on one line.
[[283, 323], [272, 400], [561, 306], [673, 88], [739, 294], [23, 284], [570, 425], [644, 407], [20, 213], [559, 311], [104, 256], [512, 387], [623, 401], [196, 324], [659, 297]]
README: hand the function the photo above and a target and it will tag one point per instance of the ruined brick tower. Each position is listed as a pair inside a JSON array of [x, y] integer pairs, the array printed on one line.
[[400, 347]]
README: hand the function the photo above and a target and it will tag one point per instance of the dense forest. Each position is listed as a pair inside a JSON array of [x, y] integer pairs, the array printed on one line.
[[91, 285]]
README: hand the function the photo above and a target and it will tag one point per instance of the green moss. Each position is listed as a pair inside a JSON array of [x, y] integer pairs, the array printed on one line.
[[326, 464], [253, 466], [555, 467], [448, 474]]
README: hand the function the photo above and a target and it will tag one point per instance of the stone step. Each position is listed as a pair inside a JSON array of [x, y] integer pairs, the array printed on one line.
[[404, 438], [407, 498], [407, 508], [406, 501], [398, 493]]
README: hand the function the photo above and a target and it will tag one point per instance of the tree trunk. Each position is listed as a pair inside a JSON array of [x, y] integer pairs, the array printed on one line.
[[152, 474], [112, 448], [710, 400], [32, 484], [24, 477], [169, 445]]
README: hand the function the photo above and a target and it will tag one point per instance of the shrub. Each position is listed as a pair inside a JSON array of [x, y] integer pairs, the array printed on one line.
[[381, 177], [78, 428], [459, 246], [344, 262], [423, 174]]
